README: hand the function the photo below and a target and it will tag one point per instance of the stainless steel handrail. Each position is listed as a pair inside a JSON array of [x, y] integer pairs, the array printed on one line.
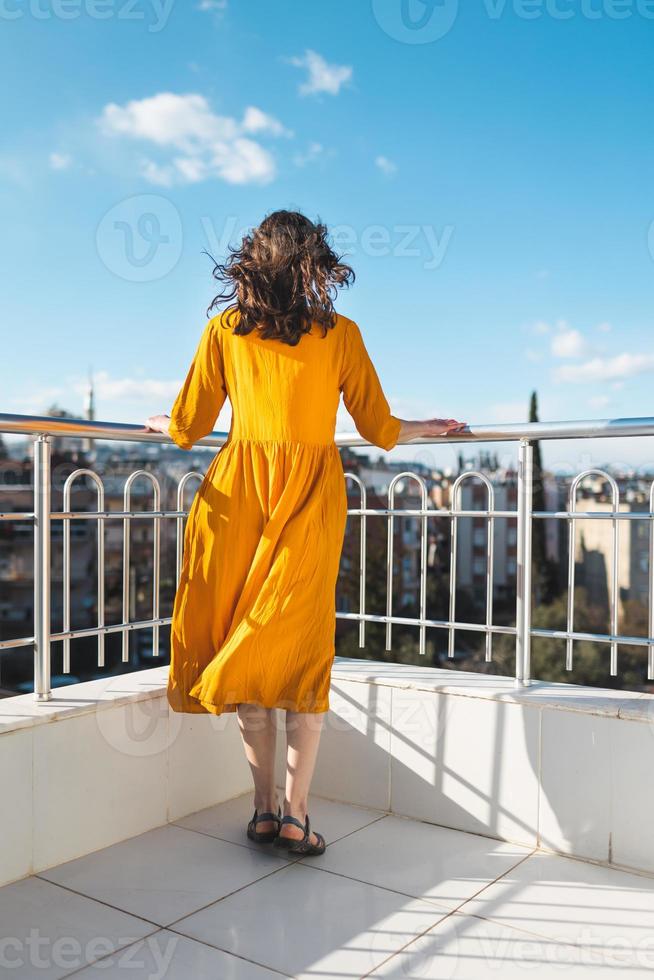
[[122, 432], [44, 428]]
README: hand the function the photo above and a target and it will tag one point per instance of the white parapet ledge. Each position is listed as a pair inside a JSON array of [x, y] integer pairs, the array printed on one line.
[[22, 711], [634, 705]]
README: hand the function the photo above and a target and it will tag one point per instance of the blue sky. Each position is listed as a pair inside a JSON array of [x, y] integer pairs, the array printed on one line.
[[489, 172]]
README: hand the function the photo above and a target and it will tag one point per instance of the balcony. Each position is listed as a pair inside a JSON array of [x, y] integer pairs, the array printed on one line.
[[451, 827], [478, 824]]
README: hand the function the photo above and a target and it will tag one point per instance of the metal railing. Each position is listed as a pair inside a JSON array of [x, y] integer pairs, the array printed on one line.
[[43, 428]]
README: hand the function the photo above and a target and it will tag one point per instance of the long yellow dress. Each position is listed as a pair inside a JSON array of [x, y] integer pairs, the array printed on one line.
[[254, 614]]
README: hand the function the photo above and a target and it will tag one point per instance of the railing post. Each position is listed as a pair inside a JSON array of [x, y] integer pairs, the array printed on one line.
[[523, 583], [42, 509]]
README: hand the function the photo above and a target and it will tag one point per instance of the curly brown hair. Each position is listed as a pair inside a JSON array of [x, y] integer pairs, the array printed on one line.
[[282, 278]]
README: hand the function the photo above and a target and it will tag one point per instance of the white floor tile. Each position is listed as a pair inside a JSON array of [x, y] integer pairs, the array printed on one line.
[[572, 901], [463, 947], [228, 820], [432, 863], [167, 956], [165, 873], [48, 932], [312, 924]]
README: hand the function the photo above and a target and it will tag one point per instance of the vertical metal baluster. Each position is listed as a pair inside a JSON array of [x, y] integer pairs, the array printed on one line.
[[489, 575], [423, 569], [454, 503], [456, 506], [650, 652], [569, 643], [126, 543], [362, 556], [614, 584], [156, 560], [572, 506], [65, 574], [523, 584], [362, 566], [66, 571], [156, 557], [423, 555], [181, 487], [101, 573], [42, 509], [389, 565]]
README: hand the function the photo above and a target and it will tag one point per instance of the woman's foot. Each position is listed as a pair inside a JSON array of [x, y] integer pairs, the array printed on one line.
[[264, 825], [296, 835]]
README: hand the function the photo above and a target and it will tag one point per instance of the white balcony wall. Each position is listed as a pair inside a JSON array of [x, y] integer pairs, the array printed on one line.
[[554, 766]]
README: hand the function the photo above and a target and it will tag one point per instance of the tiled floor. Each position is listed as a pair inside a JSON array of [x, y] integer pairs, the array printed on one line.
[[389, 898]]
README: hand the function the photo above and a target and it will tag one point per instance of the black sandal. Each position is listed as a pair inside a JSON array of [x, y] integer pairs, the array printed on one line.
[[265, 836], [303, 846]]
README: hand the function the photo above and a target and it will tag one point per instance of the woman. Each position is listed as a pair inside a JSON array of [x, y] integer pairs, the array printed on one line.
[[254, 615]]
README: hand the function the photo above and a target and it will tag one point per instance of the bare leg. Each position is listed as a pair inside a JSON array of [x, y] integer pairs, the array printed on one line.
[[258, 731], [303, 730]]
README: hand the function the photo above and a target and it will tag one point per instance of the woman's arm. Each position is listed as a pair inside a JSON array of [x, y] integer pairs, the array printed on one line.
[[200, 398], [364, 399]]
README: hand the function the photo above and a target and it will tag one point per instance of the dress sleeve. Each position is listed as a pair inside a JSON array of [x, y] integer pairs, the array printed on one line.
[[363, 396], [202, 395]]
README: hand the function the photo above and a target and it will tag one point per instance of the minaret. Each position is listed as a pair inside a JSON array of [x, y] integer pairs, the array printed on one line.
[[89, 413]]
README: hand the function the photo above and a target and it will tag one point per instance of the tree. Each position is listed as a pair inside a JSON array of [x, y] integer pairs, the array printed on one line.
[[545, 579], [591, 665]]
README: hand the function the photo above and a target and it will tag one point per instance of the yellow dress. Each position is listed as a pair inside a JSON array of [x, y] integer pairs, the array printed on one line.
[[254, 614]]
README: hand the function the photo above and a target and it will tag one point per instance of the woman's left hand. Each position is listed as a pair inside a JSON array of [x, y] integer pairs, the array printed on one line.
[[158, 423]]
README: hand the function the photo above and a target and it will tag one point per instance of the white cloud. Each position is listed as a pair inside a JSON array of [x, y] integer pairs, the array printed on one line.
[[256, 121], [322, 77], [130, 398], [138, 389], [167, 119], [604, 327], [606, 368], [387, 167], [313, 152], [135, 391], [599, 401], [37, 401], [540, 328], [207, 145], [567, 342], [154, 173], [60, 161]]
